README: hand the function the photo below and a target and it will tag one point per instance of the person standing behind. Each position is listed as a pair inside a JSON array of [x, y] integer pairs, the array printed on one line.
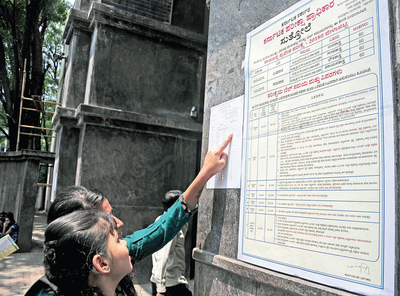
[[10, 227], [168, 273]]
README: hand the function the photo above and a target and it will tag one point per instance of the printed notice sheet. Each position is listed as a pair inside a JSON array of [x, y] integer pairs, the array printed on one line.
[[318, 153], [226, 119]]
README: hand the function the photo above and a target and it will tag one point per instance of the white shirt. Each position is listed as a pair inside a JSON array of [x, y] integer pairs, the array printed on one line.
[[169, 263]]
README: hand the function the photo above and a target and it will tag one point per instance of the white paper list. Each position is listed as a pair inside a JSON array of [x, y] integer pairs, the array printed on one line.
[[226, 119]]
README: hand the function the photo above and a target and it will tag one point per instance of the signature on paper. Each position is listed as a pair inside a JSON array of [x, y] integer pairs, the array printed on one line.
[[362, 267]]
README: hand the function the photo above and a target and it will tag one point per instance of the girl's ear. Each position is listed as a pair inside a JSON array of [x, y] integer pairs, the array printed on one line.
[[101, 264]]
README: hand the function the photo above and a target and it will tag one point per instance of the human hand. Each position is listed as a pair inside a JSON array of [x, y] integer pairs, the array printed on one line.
[[216, 159], [214, 162], [159, 294]]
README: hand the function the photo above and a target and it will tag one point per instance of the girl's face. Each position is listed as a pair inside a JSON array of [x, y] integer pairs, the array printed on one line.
[[120, 264], [107, 208]]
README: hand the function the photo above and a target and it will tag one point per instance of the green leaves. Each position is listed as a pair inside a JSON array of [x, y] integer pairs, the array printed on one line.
[[29, 30]]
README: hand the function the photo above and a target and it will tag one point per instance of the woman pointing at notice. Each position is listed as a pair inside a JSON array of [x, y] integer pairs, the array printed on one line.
[[141, 243]]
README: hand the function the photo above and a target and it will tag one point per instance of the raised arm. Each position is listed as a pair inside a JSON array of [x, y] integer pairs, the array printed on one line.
[[213, 163], [145, 242]]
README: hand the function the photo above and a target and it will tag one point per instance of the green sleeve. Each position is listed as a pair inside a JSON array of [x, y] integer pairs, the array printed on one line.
[[144, 242]]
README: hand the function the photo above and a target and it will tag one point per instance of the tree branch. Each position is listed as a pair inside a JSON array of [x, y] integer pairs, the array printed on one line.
[[5, 116], [44, 25], [3, 101], [5, 133], [4, 77]]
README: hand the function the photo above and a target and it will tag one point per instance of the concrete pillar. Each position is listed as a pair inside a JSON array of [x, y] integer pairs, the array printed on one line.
[[19, 175]]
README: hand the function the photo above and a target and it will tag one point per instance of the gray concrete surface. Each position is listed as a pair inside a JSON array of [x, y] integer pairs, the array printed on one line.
[[19, 173]]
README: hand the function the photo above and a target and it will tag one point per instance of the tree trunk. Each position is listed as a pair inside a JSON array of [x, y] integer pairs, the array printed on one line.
[[34, 83]]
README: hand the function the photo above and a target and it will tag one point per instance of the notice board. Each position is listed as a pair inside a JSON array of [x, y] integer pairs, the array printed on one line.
[[317, 196]]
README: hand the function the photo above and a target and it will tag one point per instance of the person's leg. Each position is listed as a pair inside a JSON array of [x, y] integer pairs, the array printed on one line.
[[153, 289], [179, 290]]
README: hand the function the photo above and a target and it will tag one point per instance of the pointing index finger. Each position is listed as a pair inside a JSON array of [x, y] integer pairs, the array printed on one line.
[[225, 144]]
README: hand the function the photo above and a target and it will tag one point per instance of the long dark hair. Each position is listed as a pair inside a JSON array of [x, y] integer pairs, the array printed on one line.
[[71, 242], [74, 198], [10, 216], [77, 198]]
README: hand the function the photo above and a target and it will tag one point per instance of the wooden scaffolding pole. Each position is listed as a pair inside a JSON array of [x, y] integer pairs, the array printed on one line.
[[21, 103], [31, 109]]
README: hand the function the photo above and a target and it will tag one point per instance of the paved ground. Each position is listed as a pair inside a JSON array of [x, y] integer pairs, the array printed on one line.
[[19, 271]]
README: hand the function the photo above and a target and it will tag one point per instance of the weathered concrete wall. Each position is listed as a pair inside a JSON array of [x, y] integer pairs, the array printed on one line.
[[151, 62], [74, 88], [19, 175], [131, 176], [84, 5], [190, 15], [132, 158], [67, 143], [217, 268], [187, 14]]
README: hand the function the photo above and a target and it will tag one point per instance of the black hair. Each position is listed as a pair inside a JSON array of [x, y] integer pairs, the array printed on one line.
[[78, 198], [71, 242], [4, 214], [74, 198], [10, 216], [170, 198]]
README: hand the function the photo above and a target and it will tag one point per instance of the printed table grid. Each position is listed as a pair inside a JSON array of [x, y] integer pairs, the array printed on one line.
[[344, 47], [264, 206]]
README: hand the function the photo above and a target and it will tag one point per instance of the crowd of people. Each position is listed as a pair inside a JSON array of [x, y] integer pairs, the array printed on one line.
[[86, 254]]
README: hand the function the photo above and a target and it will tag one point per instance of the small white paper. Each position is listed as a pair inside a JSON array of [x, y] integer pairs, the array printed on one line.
[[226, 119]]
